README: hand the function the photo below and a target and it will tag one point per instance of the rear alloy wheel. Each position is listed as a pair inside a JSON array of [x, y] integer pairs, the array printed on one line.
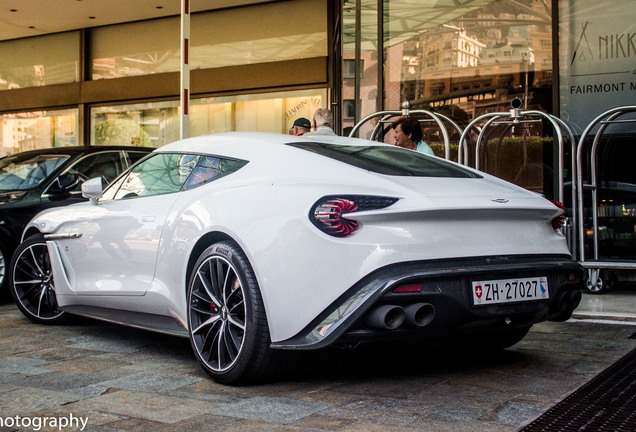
[[226, 317], [31, 282]]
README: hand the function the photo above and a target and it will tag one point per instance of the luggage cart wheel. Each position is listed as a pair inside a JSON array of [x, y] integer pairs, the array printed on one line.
[[599, 281]]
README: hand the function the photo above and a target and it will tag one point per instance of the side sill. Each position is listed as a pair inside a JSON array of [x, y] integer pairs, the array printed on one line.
[[155, 323]]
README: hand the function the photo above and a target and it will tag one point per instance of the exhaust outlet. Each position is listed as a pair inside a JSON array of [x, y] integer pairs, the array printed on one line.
[[385, 317], [575, 299], [565, 305], [419, 314]]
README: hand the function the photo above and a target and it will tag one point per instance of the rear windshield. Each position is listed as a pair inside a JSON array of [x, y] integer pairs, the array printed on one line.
[[388, 160]]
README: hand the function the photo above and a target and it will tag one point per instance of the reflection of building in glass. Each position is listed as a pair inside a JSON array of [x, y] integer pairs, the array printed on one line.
[[28, 131], [480, 62]]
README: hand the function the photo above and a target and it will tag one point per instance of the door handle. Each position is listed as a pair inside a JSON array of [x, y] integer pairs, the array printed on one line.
[[62, 236]]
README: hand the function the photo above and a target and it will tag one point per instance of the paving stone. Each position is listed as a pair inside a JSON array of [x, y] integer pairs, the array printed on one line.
[[512, 413], [436, 423], [130, 380], [385, 410], [134, 425], [151, 382], [62, 381], [25, 401], [322, 422], [269, 409], [204, 422], [107, 344], [81, 361], [194, 392], [25, 367], [92, 418], [149, 406]]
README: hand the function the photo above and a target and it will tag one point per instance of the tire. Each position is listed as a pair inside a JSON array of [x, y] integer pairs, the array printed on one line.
[[226, 318], [31, 282]]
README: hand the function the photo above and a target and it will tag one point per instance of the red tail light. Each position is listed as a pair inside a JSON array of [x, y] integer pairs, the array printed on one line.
[[559, 221], [409, 288], [327, 213]]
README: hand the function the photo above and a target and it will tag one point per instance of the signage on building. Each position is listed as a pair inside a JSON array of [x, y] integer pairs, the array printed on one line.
[[597, 58]]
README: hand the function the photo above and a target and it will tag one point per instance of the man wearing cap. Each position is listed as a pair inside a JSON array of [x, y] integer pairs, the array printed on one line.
[[301, 126]]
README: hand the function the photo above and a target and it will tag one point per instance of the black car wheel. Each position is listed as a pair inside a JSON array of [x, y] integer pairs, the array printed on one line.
[[226, 317], [31, 282]]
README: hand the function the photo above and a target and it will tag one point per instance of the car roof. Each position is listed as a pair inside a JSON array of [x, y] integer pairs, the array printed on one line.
[[75, 150], [253, 145]]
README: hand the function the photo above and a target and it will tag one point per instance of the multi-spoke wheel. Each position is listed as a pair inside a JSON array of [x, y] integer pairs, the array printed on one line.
[[31, 282], [226, 318]]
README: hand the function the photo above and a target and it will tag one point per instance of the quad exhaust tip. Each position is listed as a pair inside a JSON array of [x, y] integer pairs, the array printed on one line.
[[420, 314], [386, 317], [390, 317]]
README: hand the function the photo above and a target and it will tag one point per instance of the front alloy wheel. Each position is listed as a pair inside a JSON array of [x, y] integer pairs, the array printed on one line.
[[226, 317], [32, 285]]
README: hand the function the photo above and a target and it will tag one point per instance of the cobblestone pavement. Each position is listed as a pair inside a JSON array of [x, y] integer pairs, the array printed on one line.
[[121, 379]]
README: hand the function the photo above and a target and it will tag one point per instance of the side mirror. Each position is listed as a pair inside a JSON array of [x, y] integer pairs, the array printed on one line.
[[92, 189], [64, 184]]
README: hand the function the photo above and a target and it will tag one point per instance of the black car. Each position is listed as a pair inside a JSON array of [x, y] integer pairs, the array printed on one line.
[[35, 180]]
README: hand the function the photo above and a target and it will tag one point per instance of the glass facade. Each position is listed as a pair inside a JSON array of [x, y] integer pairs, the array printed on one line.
[[460, 60], [597, 49], [39, 129], [39, 61], [144, 124], [216, 40], [157, 124]]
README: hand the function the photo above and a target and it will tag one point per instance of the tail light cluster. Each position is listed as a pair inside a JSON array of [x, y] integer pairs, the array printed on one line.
[[559, 221], [327, 213]]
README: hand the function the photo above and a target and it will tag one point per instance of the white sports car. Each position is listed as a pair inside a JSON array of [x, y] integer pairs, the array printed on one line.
[[251, 244]]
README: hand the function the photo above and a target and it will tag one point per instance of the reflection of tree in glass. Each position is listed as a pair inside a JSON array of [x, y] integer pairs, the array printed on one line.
[[121, 132], [160, 174], [168, 172]]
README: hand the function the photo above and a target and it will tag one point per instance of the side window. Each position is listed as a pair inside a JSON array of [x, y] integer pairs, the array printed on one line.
[[210, 168], [105, 165], [134, 156], [111, 190], [160, 174]]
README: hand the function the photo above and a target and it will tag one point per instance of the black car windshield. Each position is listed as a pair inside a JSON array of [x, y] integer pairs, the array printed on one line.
[[388, 160], [26, 171]]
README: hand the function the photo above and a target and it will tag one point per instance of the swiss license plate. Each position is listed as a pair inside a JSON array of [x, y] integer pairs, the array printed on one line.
[[510, 290]]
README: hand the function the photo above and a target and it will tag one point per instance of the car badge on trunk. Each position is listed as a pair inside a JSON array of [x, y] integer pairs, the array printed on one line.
[[500, 200]]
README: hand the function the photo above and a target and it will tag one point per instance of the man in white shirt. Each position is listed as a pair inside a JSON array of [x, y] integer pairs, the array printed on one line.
[[323, 123]]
